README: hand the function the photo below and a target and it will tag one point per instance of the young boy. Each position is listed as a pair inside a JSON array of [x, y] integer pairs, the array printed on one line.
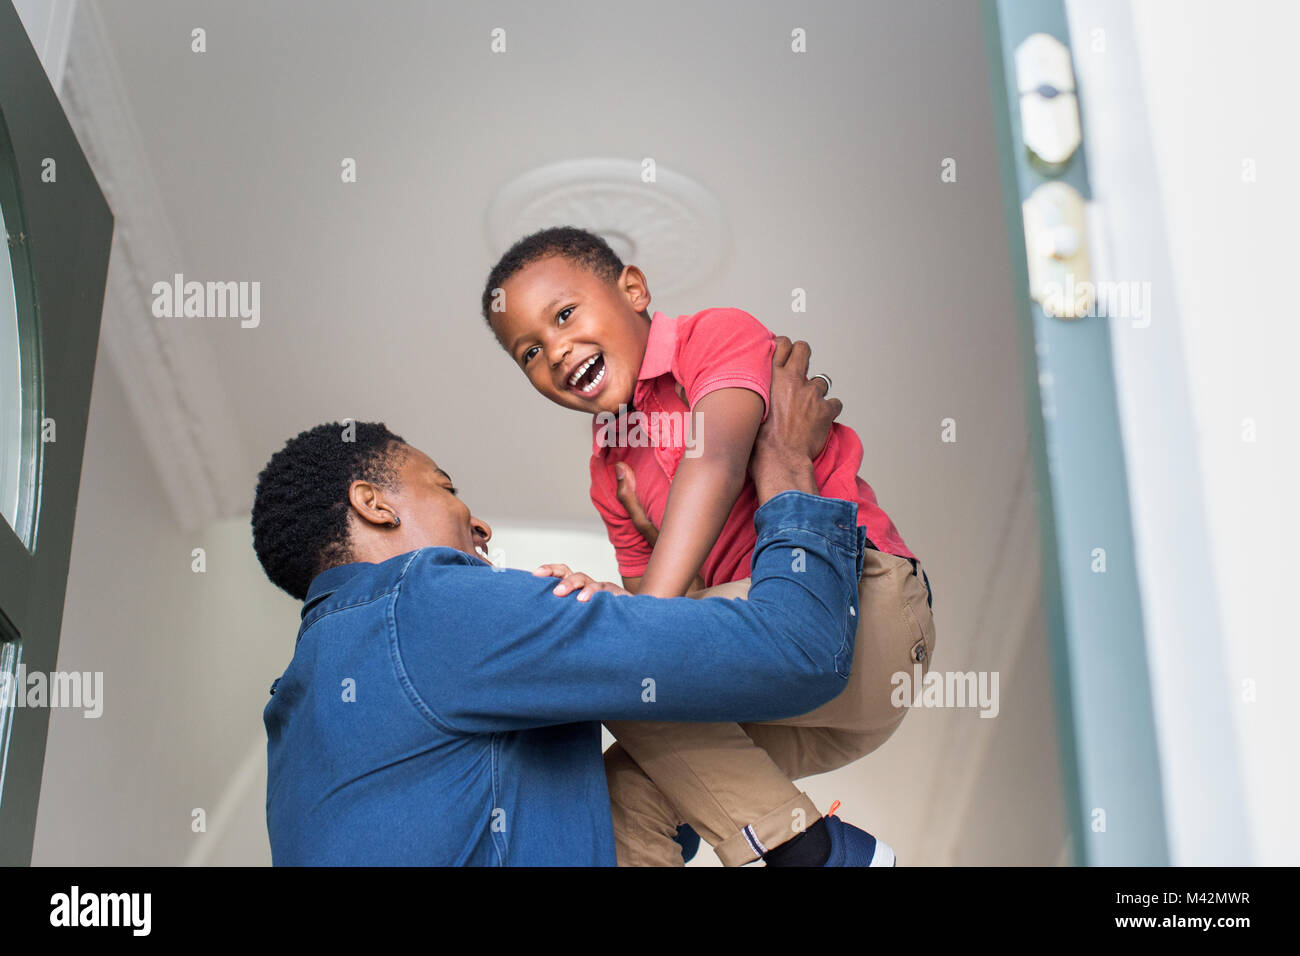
[[677, 404]]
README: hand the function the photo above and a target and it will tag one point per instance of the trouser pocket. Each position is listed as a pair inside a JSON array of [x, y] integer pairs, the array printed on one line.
[[918, 602]]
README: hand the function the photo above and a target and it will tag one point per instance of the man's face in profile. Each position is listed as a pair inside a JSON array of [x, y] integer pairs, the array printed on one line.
[[431, 513]]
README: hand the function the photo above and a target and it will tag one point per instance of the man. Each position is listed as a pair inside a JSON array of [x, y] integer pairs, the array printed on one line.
[[439, 711]]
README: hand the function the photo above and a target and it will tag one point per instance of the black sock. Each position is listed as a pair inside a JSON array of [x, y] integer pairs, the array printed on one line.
[[810, 848]]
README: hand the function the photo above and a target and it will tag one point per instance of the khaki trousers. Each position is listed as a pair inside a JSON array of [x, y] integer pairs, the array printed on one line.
[[732, 782]]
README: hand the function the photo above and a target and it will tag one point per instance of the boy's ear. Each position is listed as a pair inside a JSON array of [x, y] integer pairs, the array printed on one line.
[[632, 283]]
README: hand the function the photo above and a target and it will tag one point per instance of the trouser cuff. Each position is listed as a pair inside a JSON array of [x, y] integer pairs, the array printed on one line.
[[769, 831]]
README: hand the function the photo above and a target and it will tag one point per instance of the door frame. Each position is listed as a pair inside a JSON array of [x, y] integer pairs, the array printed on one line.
[[68, 234], [1110, 761]]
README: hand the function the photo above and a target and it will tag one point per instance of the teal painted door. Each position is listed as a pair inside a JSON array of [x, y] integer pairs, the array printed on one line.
[[57, 229], [1110, 759]]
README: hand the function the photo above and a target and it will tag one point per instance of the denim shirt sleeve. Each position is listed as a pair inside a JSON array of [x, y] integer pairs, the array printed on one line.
[[481, 651]]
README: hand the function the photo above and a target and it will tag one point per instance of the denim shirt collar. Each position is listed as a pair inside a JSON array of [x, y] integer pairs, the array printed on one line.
[[660, 350], [331, 580]]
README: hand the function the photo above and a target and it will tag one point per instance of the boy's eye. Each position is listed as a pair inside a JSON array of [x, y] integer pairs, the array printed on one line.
[[564, 314], [527, 357]]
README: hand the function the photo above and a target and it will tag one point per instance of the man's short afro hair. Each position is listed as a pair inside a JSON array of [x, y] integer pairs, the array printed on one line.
[[577, 245], [300, 509]]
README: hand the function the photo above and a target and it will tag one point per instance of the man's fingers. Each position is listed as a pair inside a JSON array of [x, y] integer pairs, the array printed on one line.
[[782, 353], [836, 407], [820, 382], [800, 353]]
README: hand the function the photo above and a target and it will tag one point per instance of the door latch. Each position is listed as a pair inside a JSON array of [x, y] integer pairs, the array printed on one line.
[[1049, 108], [1060, 269]]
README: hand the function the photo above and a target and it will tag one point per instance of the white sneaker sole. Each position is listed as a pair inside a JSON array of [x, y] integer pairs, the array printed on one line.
[[884, 855]]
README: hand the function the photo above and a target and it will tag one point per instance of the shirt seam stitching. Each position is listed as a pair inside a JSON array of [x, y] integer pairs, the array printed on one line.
[[496, 803], [342, 607], [417, 702], [785, 529], [735, 377]]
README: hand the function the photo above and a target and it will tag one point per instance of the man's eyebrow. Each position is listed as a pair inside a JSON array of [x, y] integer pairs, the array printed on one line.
[[444, 474]]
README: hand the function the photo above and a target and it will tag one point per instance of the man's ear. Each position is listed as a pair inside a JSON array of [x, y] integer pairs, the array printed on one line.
[[370, 504], [632, 283]]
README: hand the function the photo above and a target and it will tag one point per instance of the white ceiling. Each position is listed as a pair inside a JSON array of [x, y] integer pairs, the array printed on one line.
[[826, 163]]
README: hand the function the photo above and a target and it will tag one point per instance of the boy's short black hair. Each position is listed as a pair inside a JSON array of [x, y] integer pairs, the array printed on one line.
[[577, 245], [300, 508]]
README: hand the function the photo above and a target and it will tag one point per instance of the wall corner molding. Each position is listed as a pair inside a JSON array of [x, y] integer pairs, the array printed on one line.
[[168, 372]]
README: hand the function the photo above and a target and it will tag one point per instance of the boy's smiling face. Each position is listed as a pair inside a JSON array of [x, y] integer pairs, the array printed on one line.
[[579, 338]]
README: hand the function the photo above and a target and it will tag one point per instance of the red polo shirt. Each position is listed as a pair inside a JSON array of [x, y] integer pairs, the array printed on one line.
[[713, 349]]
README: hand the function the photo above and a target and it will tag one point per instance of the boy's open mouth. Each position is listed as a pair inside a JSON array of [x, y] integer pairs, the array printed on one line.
[[587, 379]]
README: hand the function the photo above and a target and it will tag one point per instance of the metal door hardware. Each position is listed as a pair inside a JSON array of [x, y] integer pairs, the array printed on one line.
[[1049, 109], [1060, 270]]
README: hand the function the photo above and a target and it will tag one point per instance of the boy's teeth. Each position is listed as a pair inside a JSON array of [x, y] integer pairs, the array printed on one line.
[[582, 370], [595, 381]]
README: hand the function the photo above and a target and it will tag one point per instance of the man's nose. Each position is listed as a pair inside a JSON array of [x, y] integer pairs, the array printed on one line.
[[481, 528]]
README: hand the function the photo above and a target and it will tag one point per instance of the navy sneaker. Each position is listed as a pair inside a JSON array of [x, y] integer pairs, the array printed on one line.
[[853, 847], [689, 841]]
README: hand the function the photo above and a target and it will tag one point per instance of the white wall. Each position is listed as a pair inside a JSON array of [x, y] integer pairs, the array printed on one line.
[[1220, 87], [187, 660], [516, 545]]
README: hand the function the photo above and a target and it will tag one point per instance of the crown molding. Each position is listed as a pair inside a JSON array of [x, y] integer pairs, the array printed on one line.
[[48, 24], [168, 372]]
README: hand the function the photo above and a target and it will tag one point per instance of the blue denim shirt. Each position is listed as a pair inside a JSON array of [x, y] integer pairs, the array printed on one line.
[[439, 711]]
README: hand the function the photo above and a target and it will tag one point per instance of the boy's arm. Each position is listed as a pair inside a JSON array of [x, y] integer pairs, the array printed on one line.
[[704, 490], [625, 479]]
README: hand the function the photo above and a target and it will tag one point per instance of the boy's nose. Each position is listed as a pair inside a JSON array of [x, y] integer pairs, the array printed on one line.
[[559, 352]]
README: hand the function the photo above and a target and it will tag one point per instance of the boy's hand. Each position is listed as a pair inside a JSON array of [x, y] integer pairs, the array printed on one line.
[[798, 423], [626, 495], [572, 580]]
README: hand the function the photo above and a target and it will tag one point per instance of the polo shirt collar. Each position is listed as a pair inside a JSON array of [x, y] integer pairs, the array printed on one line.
[[660, 347]]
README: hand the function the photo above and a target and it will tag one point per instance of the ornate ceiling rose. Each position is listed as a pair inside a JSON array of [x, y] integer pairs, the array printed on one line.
[[672, 227]]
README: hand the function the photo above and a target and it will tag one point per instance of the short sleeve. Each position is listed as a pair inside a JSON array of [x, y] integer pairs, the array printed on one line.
[[632, 550], [723, 348]]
